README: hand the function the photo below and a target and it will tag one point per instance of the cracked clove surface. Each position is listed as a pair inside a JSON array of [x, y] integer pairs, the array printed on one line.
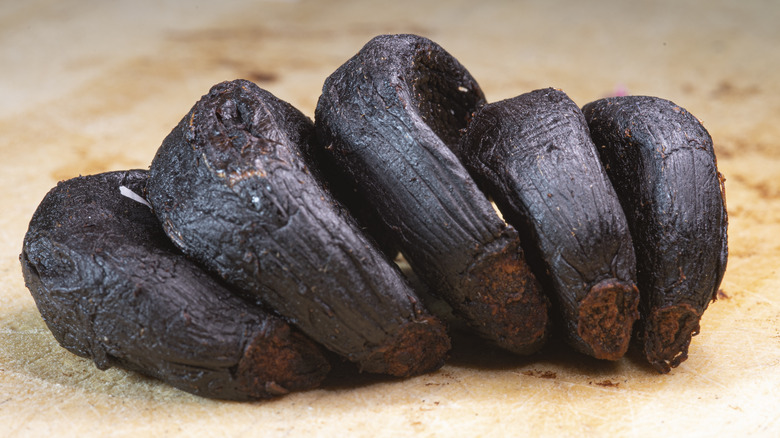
[[662, 164], [112, 287], [533, 154], [233, 189], [387, 119]]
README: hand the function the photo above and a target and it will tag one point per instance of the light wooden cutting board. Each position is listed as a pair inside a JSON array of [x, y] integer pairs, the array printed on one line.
[[89, 86]]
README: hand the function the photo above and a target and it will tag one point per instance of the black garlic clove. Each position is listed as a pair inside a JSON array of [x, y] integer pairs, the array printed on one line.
[[111, 287], [233, 189], [387, 118], [533, 154], [662, 164]]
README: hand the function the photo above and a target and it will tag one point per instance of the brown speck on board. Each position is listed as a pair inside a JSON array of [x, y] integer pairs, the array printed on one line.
[[607, 384], [262, 76], [540, 374]]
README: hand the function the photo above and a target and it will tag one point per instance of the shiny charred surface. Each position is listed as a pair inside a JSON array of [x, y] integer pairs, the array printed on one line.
[[387, 119], [111, 287], [234, 191], [662, 164], [534, 156]]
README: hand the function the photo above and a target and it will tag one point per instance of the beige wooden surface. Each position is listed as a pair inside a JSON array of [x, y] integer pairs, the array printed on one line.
[[91, 86]]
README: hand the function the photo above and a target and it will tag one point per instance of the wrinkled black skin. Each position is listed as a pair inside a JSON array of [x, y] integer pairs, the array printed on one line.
[[233, 190], [533, 155], [387, 117], [338, 184], [661, 162], [111, 287]]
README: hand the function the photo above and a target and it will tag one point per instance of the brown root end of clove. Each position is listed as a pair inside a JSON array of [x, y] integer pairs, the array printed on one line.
[[606, 318], [419, 347], [279, 360], [506, 299], [668, 332]]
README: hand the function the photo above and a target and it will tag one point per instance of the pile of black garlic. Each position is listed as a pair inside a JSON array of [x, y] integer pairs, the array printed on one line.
[[259, 245]]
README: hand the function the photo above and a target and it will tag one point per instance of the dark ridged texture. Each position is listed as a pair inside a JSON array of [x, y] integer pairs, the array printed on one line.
[[387, 117], [662, 164], [232, 189], [534, 156], [112, 287]]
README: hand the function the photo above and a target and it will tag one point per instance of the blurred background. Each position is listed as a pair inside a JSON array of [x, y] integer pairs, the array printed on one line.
[[110, 57]]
